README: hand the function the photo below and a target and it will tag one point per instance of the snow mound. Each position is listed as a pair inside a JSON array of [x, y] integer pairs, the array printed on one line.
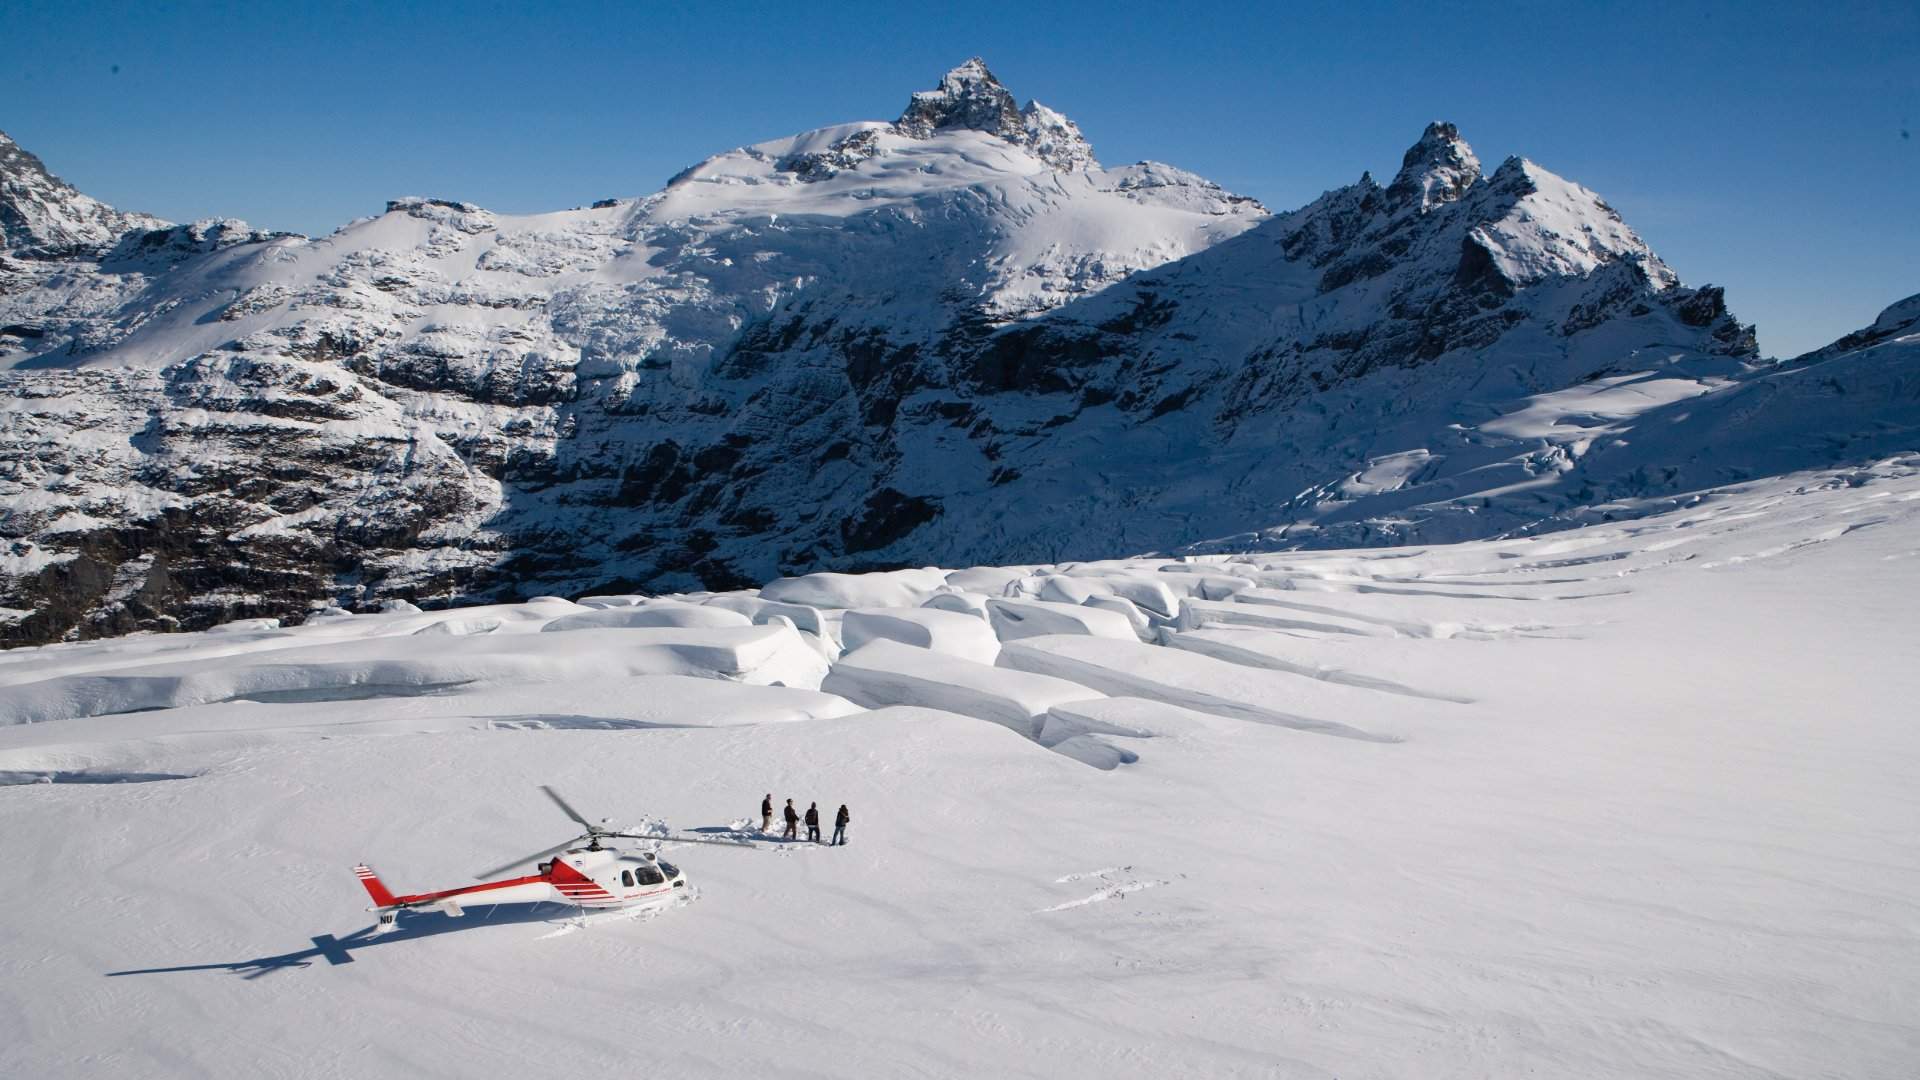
[[898, 588], [964, 635], [652, 614], [1015, 619], [371, 669], [891, 673]]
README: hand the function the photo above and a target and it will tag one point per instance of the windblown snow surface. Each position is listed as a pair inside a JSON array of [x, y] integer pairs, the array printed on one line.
[[1632, 800]]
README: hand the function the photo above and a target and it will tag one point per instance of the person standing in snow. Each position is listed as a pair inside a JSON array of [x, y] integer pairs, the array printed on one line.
[[813, 823], [793, 823], [766, 813], [840, 826]]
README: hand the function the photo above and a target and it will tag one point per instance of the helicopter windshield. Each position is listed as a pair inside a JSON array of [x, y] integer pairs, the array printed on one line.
[[668, 869]]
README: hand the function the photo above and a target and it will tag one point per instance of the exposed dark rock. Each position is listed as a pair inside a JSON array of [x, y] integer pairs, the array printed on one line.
[[889, 516]]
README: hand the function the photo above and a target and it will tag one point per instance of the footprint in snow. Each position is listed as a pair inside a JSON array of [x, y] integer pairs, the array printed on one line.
[[1119, 882], [1083, 875]]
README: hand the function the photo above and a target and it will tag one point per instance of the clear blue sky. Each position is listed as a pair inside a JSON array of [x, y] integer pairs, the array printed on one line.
[[1772, 151]]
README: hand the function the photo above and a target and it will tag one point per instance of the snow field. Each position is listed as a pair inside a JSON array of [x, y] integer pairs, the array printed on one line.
[[1634, 800]]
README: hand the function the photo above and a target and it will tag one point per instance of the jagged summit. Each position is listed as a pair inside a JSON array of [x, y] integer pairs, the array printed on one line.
[[1539, 224], [1438, 169], [1503, 230], [969, 98], [1055, 139], [43, 216]]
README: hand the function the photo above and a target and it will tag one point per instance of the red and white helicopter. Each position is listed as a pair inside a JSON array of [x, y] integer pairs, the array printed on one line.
[[584, 873]]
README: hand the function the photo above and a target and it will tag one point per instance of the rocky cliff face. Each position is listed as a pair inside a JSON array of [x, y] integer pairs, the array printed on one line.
[[43, 217], [954, 337]]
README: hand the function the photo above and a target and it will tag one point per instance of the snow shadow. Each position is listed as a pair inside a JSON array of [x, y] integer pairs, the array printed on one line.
[[20, 777], [314, 695], [772, 841], [337, 950], [1246, 657], [573, 722]]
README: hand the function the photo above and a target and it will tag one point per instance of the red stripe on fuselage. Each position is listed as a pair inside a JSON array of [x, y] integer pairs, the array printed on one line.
[[575, 885], [565, 879]]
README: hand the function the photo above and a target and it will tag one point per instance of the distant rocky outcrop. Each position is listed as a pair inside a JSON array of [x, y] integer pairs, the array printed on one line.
[[43, 217]]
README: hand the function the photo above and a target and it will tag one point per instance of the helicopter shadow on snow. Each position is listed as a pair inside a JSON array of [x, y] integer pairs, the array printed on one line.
[[338, 950]]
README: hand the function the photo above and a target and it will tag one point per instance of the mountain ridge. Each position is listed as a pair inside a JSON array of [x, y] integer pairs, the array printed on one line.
[[954, 337]]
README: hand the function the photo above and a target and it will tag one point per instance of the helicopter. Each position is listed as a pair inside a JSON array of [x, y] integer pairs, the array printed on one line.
[[584, 873]]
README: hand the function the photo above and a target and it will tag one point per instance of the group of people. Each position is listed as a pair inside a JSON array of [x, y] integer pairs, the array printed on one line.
[[811, 817]]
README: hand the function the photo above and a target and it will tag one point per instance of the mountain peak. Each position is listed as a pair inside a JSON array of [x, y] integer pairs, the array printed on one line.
[[43, 216], [967, 97], [969, 77], [1055, 139], [1535, 223], [970, 98], [1437, 169]]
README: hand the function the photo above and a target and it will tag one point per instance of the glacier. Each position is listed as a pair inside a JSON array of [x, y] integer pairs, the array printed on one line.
[[1631, 799]]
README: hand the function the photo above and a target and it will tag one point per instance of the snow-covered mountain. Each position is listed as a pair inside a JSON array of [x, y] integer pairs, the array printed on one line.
[[955, 337], [43, 217]]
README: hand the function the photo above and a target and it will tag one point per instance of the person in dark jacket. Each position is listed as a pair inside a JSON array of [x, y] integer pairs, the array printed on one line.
[[813, 823], [766, 813], [840, 826], [793, 822]]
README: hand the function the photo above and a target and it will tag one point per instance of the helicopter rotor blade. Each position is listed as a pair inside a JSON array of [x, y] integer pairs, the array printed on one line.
[[554, 850], [569, 810]]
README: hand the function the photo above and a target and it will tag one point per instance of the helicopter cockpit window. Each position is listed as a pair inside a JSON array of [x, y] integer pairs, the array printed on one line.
[[626, 878], [668, 868], [649, 876]]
